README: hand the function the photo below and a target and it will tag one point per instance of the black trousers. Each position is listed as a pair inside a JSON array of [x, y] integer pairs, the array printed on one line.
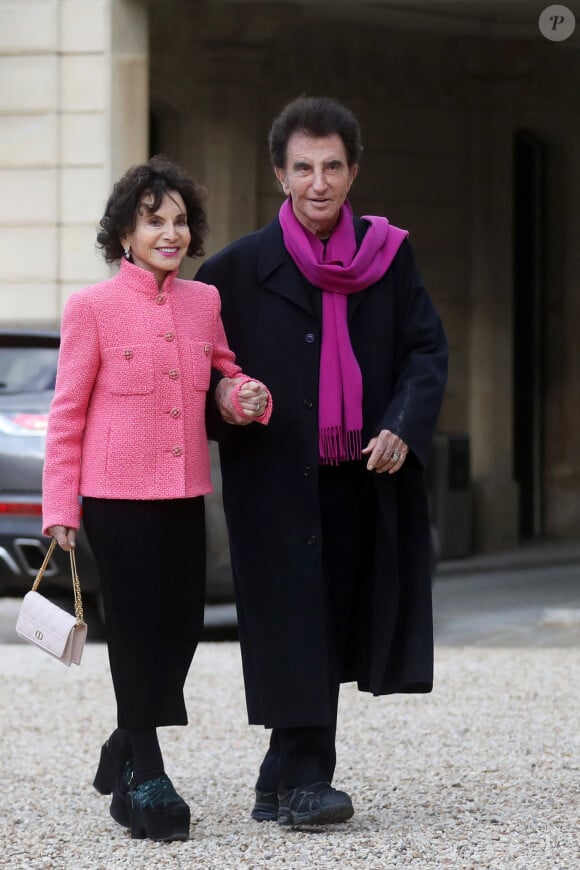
[[151, 557], [348, 505]]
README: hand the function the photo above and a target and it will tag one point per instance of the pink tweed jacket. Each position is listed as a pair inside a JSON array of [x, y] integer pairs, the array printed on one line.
[[128, 416]]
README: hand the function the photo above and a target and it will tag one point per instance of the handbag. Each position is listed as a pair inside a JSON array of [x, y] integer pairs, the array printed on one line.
[[51, 628]]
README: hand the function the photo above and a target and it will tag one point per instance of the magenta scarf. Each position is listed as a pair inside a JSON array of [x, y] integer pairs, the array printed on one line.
[[338, 269]]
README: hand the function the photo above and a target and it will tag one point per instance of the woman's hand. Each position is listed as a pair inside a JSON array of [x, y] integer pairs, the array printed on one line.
[[64, 535], [387, 452], [253, 398]]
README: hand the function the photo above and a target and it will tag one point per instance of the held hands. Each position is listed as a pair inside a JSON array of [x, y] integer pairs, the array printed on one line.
[[65, 536], [253, 398], [387, 452]]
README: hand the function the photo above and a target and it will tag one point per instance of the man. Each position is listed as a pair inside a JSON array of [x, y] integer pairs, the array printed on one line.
[[326, 508]]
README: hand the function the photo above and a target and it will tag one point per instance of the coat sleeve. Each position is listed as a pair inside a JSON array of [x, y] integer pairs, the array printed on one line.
[[223, 360], [78, 364], [421, 362]]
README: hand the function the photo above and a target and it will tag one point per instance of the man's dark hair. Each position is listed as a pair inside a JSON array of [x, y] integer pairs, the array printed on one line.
[[156, 178], [315, 116]]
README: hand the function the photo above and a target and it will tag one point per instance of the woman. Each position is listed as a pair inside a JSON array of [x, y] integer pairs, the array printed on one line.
[[127, 433], [345, 335]]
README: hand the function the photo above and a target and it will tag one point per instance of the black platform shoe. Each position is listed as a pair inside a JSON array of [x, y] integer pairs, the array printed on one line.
[[316, 804], [115, 752], [156, 811], [266, 806], [113, 772]]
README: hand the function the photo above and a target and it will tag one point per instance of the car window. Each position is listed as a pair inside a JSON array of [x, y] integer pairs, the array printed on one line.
[[27, 369]]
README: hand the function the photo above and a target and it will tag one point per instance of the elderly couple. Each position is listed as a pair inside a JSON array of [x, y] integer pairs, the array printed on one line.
[[322, 462]]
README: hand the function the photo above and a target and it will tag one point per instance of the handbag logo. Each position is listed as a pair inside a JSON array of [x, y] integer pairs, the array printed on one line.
[[38, 635]]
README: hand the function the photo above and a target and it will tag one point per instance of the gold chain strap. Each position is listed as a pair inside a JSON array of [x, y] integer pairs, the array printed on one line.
[[42, 568], [75, 580], [76, 589]]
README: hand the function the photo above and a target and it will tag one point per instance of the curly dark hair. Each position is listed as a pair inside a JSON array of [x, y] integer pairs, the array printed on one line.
[[158, 177], [316, 116]]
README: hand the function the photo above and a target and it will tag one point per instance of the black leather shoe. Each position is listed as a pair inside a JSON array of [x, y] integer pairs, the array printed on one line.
[[316, 804], [156, 811], [266, 806]]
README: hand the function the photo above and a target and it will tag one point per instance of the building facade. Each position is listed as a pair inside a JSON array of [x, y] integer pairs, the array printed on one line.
[[470, 119]]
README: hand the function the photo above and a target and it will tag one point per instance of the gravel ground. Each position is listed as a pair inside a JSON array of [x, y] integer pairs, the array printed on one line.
[[483, 773]]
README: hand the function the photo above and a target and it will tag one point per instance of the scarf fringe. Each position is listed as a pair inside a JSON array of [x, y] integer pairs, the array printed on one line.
[[334, 445]]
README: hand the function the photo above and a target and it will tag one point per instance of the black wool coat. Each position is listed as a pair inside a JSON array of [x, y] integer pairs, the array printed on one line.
[[272, 317]]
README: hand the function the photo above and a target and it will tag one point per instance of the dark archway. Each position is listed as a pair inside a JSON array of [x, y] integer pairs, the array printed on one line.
[[529, 319]]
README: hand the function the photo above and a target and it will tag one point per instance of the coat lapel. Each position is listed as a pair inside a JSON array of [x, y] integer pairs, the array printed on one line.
[[355, 299], [278, 273]]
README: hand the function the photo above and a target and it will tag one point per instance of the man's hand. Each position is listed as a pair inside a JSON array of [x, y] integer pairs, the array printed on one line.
[[387, 452]]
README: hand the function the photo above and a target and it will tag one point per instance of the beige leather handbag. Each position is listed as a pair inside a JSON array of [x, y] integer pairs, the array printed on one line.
[[48, 626]]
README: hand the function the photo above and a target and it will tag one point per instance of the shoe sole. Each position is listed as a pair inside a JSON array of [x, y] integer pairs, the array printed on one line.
[[323, 816], [164, 829]]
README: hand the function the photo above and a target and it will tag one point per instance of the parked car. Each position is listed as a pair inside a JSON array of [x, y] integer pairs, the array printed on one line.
[[28, 361]]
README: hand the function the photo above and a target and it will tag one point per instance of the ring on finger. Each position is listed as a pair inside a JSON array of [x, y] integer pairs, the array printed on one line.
[[395, 456]]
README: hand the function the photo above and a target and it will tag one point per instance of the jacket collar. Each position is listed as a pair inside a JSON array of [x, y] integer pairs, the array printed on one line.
[[136, 278]]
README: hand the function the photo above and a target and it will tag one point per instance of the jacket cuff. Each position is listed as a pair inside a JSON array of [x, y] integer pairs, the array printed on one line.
[[70, 522]]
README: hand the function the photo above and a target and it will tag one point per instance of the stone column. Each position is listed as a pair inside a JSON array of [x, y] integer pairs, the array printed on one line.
[[73, 115], [29, 240], [230, 141], [490, 390], [128, 85], [234, 37], [102, 122], [82, 118]]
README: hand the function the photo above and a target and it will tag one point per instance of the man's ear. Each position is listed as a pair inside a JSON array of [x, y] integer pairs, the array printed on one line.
[[281, 176], [352, 174]]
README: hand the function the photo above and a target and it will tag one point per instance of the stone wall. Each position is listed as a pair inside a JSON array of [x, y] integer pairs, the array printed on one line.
[[73, 109]]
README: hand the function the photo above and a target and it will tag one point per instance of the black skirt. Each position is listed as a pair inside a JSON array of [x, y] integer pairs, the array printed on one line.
[[151, 557]]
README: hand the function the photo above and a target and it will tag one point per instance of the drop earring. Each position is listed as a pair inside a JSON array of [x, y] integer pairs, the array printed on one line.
[[128, 253]]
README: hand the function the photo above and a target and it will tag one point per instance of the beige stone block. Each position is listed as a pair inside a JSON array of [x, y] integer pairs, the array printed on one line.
[[34, 303], [28, 140], [28, 25], [83, 138], [29, 84], [130, 112], [83, 83], [83, 195], [81, 262], [83, 25], [67, 288], [31, 194], [28, 254]]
